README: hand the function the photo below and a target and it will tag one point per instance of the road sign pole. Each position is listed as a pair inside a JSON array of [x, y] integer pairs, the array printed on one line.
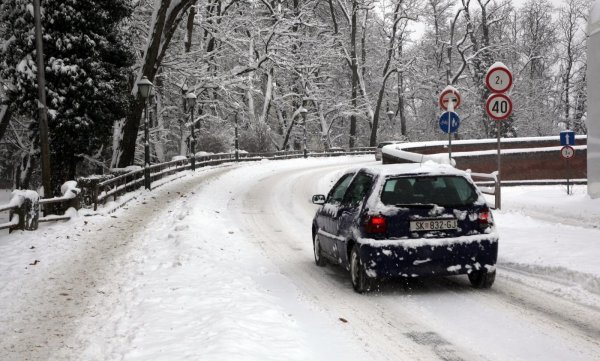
[[449, 100], [569, 176], [498, 178], [567, 152], [498, 106], [450, 110]]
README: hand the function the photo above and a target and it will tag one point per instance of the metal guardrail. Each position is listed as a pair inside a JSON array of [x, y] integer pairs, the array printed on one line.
[[484, 187]]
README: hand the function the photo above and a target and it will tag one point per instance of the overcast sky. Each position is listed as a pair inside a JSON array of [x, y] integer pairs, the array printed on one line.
[[419, 27]]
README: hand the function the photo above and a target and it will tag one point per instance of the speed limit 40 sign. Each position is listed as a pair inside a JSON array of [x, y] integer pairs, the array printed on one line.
[[498, 106]]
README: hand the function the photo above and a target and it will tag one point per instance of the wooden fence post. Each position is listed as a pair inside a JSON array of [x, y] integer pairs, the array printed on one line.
[[28, 210]]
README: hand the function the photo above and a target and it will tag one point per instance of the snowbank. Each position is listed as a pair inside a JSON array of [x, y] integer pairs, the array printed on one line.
[[179, 157], [396, 151], [69, 189]]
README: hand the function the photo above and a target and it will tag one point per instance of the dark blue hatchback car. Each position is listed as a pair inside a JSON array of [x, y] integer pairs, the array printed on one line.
[[406, 220]]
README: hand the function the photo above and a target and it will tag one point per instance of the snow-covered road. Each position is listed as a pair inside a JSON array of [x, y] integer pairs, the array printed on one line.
[[218, 266]]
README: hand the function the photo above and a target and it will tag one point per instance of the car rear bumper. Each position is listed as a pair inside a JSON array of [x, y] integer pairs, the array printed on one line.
[[395, 259]]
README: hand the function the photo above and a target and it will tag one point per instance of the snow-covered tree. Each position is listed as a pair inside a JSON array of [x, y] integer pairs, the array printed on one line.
[[87, 58]]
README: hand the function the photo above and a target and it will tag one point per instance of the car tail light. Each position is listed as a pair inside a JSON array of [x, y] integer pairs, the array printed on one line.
[[376, 224], [485, 218]]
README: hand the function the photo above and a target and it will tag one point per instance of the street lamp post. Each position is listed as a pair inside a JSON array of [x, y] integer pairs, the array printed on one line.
[[304, 112], [145, 87], [237, 144], [190, 99], [42, 109]]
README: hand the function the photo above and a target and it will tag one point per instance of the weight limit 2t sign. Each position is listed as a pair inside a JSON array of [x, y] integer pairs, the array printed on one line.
[[498, 79]]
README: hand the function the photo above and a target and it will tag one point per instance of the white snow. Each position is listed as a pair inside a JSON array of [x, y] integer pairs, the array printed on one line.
[[18, 196], [498, 64], [546, 231], [69, 189], [397, 151], [477, 141], [131, 168], [173, 275], [191, 284]]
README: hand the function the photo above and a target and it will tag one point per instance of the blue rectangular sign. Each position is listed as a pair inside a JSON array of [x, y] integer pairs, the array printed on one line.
[[567, 137]]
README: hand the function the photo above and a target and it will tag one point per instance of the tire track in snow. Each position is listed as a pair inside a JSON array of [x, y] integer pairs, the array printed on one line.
[[398, 335], [277, 208]]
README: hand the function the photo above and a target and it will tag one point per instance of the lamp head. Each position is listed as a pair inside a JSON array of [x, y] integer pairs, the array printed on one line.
[[303, 112], [390, 114], [190, 99], [144, 87]]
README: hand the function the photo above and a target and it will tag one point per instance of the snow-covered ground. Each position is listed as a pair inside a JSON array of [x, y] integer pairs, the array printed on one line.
[[218, 266]]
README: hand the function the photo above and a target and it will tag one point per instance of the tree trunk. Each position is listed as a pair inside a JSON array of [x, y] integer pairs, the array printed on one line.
[[354, 68], [386, 74], [401, 105], [163, 27], [190, 29], [5, 115], [25, 169]]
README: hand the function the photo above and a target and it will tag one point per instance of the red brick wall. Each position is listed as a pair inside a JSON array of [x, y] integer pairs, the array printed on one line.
[[526, 165]]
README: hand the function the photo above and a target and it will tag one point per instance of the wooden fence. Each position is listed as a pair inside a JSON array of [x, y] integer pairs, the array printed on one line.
[[93, 190]]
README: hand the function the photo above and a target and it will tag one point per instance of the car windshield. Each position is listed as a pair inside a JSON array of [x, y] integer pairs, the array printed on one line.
[[449, 191]]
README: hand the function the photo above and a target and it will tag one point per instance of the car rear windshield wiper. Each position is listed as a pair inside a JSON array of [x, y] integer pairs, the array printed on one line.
[[417, 205]]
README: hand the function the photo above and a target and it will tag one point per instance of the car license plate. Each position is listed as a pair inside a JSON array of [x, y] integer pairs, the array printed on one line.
[[433, 225]]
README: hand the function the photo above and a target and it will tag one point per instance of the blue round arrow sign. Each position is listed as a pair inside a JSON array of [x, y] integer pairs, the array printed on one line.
[[449, 118]]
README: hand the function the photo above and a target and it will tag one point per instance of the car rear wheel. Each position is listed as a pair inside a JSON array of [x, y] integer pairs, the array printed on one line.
[[482, 279], [319, 259], [360, 281]]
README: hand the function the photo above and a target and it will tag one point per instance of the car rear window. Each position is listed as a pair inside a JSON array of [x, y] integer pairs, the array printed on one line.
[[448, 191]]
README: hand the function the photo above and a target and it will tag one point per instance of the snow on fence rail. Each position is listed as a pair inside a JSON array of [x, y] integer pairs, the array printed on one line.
[[14, 218], [24, 210], [25, 206]]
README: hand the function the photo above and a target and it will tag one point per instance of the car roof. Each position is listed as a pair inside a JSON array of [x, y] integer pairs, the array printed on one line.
[[426, 168]]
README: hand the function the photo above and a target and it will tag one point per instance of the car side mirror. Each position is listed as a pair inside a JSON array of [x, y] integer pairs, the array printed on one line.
[[318, 199]]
